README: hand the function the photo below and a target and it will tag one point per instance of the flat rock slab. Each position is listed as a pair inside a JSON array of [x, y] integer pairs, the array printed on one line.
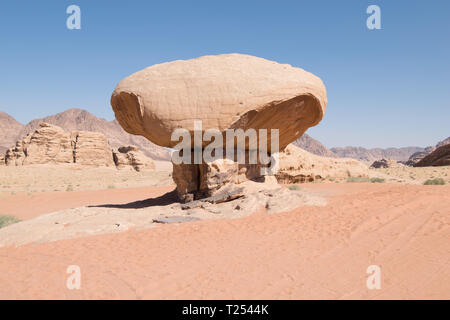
[[175, 219]]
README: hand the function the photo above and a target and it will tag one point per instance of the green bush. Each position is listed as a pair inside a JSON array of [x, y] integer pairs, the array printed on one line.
[[436, 181], [358, 179], [69, 188], [377, 180], [7, 220], [294, 187]]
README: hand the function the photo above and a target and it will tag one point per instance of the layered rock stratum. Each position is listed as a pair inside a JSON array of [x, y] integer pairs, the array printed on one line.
[[228, 91], [437, 158], [52, 144]]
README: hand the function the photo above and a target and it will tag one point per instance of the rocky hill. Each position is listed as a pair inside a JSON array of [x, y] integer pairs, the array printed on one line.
[[371, 155], [312, 145], [52, 144], [9, 131], [82, 120]]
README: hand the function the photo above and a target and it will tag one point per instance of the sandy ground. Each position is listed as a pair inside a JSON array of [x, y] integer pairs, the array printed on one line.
[[34, 179], [411, 175], [310, 252]]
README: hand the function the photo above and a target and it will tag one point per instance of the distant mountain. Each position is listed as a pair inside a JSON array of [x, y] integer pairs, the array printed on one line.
[[443, 142], [370, 155], [77, 119], [312, 145], [9, 131]]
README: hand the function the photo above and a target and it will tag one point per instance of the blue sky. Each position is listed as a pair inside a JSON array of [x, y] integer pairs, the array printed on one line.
[[386, 88]]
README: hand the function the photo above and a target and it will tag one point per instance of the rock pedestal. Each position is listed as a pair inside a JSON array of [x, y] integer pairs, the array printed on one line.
[[197, 181]]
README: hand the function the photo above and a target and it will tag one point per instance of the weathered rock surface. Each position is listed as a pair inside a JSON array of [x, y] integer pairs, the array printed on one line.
[[196, 181], [51, 144], [132, 157], [386, 163], [48, 144], [439, 157], [224, 91], [92, 148], [298, 166], [230, 91], [81, 120]]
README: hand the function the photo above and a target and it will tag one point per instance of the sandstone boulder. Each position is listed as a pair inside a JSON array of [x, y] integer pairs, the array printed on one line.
[[51, 144], [92, 149], [230, 91], [298, 166], [48, 144], [132, 157], [439, 157], [224, 91]]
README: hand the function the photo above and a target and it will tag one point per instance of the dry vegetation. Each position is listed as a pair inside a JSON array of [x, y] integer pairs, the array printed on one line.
[[412, 175]]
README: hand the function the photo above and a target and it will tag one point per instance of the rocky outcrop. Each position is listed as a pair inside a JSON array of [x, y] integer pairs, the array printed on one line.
[[386, 163], [48, 144], [443, 142], [91, 149], [132, 157], [81, 120], [439, 157], [299, 166], [230, 91], [51, 144]]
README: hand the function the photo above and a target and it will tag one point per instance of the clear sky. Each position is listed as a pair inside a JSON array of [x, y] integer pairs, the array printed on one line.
[[386, 88]]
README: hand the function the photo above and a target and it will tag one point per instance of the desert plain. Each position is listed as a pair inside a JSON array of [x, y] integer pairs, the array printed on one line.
[[311, 252], [82, 193]]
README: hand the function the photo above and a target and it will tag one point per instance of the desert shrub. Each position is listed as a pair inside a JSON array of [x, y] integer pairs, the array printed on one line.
[[294, 187], [69, 188], [377, 180], [436, 181], [358, 179], [7, 220], [111, 186]]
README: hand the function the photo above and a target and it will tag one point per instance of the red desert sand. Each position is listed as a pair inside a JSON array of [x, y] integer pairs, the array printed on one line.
[[310, 252]]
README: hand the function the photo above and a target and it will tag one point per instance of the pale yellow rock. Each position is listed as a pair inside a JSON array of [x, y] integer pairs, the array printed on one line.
[[92, 148], [48, 144], [223, 91], [297, 166], [51, 144], [132, 158]]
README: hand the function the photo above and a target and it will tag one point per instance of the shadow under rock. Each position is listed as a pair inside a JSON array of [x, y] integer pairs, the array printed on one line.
[[164, 200]]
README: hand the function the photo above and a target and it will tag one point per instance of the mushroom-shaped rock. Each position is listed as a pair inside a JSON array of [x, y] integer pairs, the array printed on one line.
[[228, 91]]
